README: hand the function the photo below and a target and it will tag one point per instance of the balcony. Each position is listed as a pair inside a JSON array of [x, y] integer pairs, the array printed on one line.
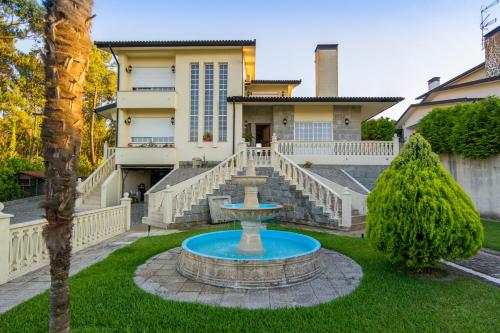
[[150, 98], [146, 154]]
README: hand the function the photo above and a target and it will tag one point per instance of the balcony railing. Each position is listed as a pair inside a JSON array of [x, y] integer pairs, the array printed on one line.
[[153, 88], [151, 139]]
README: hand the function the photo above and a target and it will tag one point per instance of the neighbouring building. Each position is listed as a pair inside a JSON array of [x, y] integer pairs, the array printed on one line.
[[472, 85]]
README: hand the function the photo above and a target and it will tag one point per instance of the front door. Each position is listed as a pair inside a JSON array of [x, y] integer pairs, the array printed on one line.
[[263, 134]]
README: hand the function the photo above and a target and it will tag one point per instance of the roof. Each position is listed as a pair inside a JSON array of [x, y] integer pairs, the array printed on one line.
[[242, 99], [275, 81], [103, 108], [444, 101], [492, 32], [441, 86], [175, 43], [326, 47], [36, 174]]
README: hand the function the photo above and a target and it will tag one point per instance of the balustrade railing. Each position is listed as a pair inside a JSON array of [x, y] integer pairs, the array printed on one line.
[[27, 249], [345, 148], [322, 195], [95, 178], [176, 200], [261, 155]]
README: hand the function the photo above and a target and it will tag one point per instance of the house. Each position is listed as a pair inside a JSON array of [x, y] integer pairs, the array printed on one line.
[[32, 183], [179, 102], [474, 84]]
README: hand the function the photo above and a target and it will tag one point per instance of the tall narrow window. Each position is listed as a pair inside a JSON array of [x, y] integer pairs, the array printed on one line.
[[209, 98], [222, 102], [194, 108]]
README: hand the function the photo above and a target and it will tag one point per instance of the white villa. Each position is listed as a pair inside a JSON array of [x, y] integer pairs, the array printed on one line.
[[182, 104]]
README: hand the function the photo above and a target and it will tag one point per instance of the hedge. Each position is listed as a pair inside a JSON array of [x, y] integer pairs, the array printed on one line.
[[471, 130]]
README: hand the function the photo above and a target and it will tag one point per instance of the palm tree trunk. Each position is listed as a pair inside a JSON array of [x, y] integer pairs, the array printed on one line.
[[68, 47]]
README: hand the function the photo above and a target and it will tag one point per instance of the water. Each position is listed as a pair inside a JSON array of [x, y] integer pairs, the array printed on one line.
[[261, 206], [277, 245]]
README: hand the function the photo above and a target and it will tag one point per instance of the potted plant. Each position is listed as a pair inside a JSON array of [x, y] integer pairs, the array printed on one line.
[[248, 137], [208, 137]]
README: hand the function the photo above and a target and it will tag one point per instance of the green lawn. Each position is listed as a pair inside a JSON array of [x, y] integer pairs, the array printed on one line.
[[105, 299], [491, 234]]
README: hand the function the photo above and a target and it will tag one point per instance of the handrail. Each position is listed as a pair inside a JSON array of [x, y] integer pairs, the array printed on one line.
[[174, 201], [318, 192], [95, 178]]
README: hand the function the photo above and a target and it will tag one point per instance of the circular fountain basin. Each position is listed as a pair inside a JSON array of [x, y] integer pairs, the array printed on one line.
[[239, 212], [213, 258]]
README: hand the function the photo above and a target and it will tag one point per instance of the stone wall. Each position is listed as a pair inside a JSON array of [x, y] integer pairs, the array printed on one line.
[[480, 179], [492, 54], [341, 131], [283, 132]]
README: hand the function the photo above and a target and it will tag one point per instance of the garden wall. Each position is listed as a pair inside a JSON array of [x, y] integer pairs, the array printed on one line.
[[480, 179]]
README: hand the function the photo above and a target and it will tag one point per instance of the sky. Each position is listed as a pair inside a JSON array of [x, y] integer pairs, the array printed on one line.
[[386, 48]]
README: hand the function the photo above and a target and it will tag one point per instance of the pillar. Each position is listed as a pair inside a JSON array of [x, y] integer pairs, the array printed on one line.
[[4, 245], [127, 203]]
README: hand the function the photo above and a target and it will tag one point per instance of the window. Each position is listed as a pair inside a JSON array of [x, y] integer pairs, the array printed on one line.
[[194, 108], [153, 79], [209, 98], [313, 131], [222, 102], [151, 131]]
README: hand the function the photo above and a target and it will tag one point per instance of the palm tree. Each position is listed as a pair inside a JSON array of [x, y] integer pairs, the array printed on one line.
[[68, 46]]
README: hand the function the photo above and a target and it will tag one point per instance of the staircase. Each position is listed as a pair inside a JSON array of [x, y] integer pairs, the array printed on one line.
[[90, 189]]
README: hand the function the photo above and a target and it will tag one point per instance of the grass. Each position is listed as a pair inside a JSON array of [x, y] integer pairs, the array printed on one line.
[[105, 299], [491, 235]]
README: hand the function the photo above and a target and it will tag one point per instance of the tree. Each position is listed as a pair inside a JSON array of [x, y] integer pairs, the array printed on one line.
[[67, 50], [100, 86], [418, 214], [378, 129]]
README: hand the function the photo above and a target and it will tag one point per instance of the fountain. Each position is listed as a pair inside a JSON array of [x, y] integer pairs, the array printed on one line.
[[253, 257]]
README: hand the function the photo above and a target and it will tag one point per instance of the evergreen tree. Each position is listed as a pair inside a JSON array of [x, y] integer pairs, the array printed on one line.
[[418, 214]]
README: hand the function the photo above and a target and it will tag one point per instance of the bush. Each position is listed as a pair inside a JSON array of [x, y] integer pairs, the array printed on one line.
[[418, 214], [378, 129], [471, 130], [9, 167]]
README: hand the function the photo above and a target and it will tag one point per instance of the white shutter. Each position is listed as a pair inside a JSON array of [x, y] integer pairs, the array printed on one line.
[[152, 77], [159, 128]]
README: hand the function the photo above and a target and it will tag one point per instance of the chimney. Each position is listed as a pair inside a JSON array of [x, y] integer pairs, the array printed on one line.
[[327, 70], [434, 82], [492, 52]]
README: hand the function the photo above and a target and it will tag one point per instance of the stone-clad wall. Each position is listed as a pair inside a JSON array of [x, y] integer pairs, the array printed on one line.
[[341, 131], [283, 132], [298, 209]]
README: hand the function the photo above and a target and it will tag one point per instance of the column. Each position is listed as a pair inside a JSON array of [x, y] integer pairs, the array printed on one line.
[[4, 245], [346, 208], [127, 203]]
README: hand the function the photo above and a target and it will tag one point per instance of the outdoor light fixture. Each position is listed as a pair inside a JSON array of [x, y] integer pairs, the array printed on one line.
[[285, 121], [128, 69], [173, 69], [246, 123], [346, 121], [128, 121], [172, 121]]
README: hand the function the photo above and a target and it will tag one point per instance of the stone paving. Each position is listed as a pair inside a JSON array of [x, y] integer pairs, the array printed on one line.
[[29, 285], [340, 276], [24, 210], [486, 262]]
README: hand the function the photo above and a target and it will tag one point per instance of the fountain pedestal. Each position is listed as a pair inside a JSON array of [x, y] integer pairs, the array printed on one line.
[[250, 241]]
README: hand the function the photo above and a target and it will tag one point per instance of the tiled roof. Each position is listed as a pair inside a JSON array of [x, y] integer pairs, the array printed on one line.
[[240, 99], [175, 43], [276, 81]]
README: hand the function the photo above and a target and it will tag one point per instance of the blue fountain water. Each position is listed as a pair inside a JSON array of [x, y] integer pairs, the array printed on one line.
[[277, 245], [261, 205]]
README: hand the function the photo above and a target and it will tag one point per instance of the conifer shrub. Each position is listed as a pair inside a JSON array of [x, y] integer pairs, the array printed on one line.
[[418, 214]]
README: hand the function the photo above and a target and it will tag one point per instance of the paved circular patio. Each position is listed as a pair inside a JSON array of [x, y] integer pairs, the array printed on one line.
[[340, 276]]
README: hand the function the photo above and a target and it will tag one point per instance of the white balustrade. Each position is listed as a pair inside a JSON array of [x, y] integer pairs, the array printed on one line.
[[95, 178], [175, 200], [25, 247], [347, 148], [260, 155], [322, 195]]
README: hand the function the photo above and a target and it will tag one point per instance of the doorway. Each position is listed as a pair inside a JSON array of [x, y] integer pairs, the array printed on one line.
[[263, 134]]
